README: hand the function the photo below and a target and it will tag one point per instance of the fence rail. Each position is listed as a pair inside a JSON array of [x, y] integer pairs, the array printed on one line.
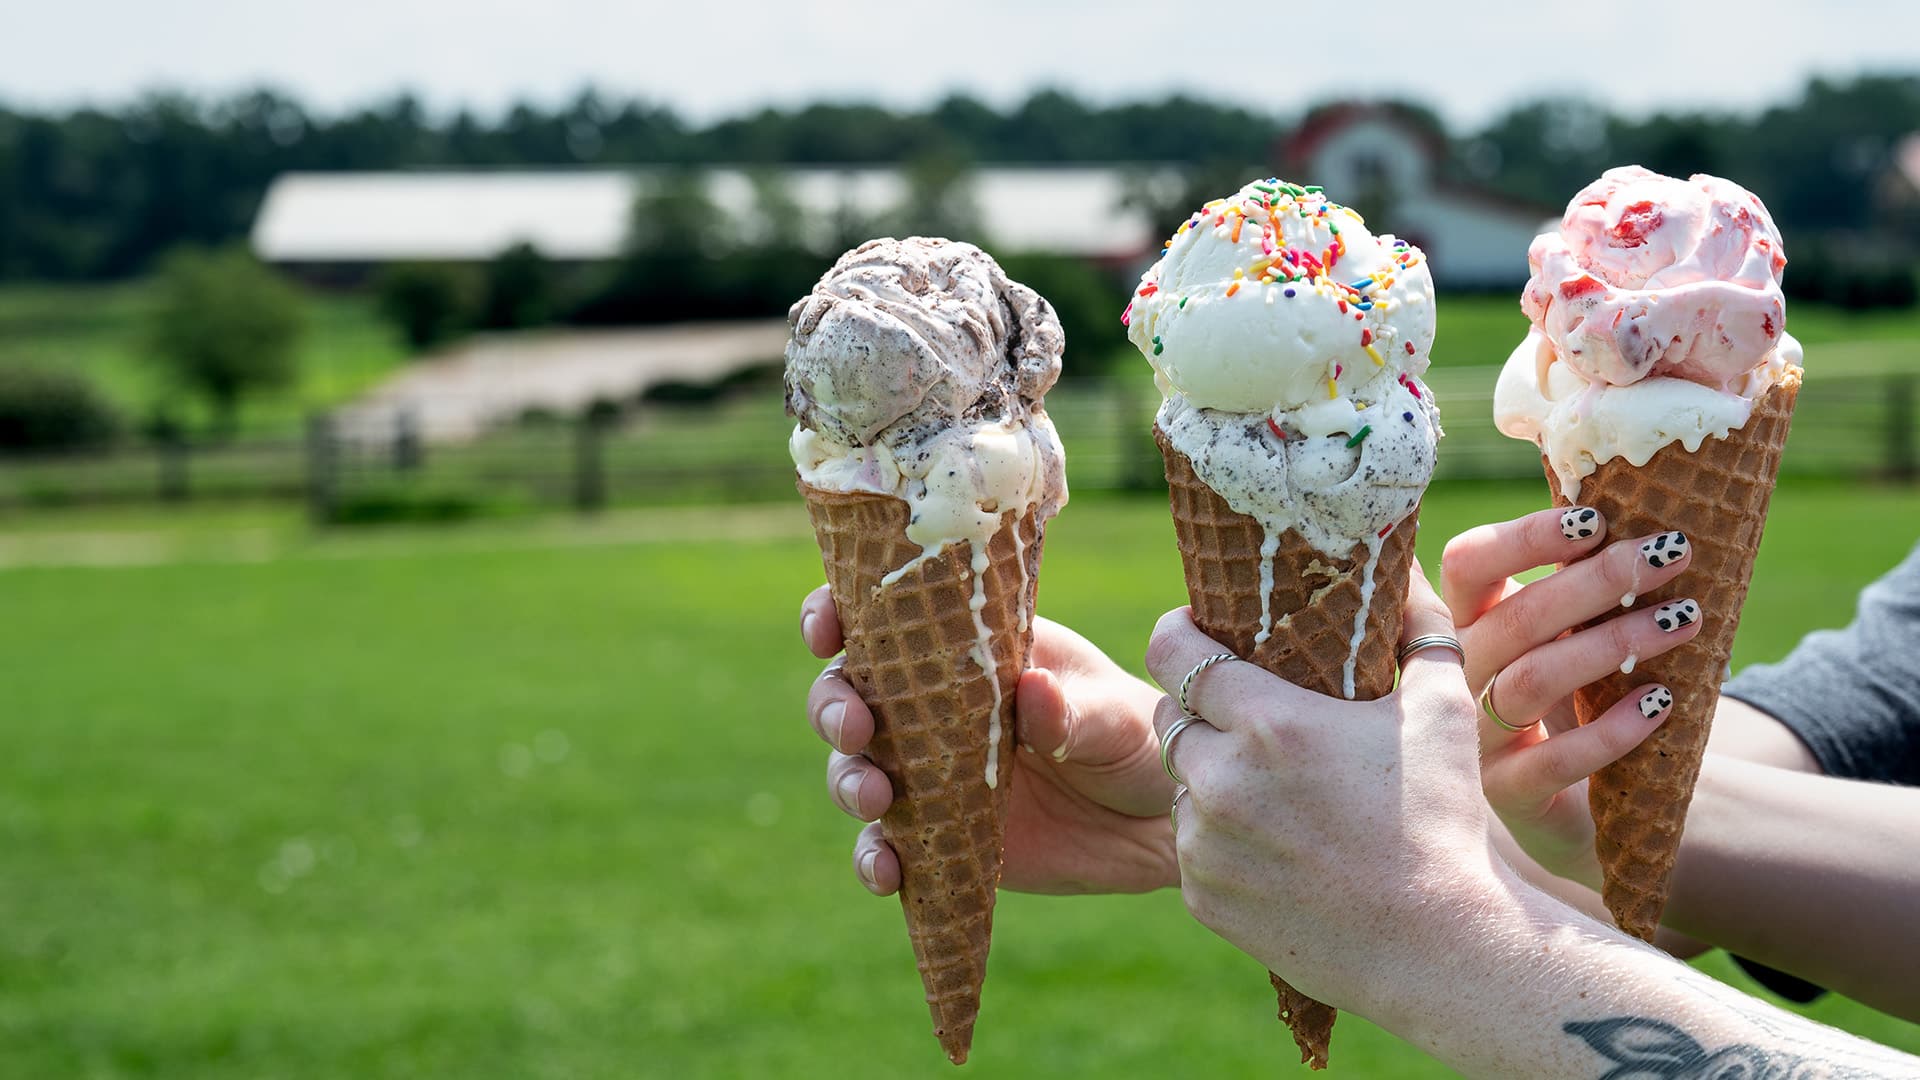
[[1864, 426]]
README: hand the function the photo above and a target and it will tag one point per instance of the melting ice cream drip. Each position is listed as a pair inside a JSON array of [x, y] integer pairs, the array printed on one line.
[[1020, 561], [1374, 547], [1269, 548], [983, 655]]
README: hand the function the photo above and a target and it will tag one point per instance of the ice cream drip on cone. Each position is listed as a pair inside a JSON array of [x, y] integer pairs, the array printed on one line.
[[1288, 343]]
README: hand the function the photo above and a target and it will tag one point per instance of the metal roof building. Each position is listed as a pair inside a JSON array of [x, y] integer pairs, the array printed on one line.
[[583, 215]]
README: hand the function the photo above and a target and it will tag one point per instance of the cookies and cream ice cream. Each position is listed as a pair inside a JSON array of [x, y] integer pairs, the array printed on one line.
[[1289, 342], [1657, 319], [916, 369]]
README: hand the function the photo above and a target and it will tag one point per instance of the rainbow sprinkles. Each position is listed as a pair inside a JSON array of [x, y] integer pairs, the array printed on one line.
[[1296, 270]]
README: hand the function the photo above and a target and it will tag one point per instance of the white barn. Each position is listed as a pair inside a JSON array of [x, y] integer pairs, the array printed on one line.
[[1369, 156], [583, 215]]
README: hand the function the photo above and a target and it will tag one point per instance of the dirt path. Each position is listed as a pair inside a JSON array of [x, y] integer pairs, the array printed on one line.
[[495, 379]]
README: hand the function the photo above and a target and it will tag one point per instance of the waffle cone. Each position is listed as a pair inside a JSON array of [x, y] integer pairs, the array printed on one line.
[[911, 653], [1717, 495], [1315, 604]]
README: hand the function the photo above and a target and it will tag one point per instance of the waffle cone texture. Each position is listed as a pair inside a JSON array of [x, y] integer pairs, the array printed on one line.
[[1314, 605], [912, 656], [1717, 495]]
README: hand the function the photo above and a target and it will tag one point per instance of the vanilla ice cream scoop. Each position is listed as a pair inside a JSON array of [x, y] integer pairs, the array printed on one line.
[[1275, 297], [904, 337], [1652, 275]]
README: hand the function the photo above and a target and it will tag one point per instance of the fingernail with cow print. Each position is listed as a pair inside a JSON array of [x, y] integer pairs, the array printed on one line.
[[1675, 614], [1664, 550], [1579, 522], [1655, 701]]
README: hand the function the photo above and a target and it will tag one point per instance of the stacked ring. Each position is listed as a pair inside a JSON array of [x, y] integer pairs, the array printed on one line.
[[1186, 684], [1433, 641], [1166, 745]]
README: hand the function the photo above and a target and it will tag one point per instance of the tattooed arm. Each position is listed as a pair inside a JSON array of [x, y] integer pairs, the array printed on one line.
[[1536, 989]]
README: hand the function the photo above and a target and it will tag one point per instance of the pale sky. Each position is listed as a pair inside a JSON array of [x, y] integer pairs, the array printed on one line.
[[1467, 58]]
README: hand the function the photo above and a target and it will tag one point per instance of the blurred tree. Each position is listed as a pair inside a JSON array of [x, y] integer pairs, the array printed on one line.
[[780, 221], [1546, 150], [53, 410], [1088, 301], [939, 201], [1168, 200], [427, 302], [224, 326], [518, 290]]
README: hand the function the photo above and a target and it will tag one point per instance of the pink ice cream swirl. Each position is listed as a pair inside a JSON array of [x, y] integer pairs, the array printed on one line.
[[1651, 275]]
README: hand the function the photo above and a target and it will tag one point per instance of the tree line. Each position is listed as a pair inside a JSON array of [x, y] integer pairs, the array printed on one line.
[[104, 193]]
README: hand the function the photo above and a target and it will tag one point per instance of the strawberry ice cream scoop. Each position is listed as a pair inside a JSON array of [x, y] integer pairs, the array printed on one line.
[[1650, 275]]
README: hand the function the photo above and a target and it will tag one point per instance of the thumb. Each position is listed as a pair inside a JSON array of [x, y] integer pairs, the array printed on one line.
[[1043, 717], [1103, 748]]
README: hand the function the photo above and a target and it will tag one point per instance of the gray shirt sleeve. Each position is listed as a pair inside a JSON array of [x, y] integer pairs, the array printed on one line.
[[1853, 695]]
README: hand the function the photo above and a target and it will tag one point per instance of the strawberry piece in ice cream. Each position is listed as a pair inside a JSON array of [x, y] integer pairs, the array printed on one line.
[[1653, 275]]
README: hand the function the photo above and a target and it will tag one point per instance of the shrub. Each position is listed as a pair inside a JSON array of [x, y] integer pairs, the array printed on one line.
[[1830, 273], [53, 410], [426, 302], [1088, 301], [518, 291], [397, 502]]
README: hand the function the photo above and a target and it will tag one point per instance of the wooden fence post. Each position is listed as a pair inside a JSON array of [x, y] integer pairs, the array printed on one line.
[[175, 481], [1902, 464], [322, 468], [409, 453], [1139, 466], [589, 463]]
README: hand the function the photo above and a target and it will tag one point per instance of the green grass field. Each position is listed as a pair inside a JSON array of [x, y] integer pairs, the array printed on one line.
[[540, 801]]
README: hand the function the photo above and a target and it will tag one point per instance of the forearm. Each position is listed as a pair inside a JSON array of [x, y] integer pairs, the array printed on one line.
[[1809, 874], [1580, 897], [1526, 987]]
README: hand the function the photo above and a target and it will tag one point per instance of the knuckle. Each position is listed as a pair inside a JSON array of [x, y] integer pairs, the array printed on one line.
[[1622, 637], [1280, 741], [1622, 565], [1551, 765], [1199, 903], [1514, 618], [1519, 683]]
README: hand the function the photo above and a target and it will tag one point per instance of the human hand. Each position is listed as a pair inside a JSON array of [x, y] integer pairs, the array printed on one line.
[[1088, 809], [1524, 641], [1335, 841]]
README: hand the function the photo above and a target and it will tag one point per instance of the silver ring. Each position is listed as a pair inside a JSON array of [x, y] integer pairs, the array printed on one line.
[[1433, 641], [1173, 812], [1166, 744], [1186, 684], [1486, 706]]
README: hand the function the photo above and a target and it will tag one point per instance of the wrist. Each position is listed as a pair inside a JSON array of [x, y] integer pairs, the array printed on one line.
[[1493, 922]]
